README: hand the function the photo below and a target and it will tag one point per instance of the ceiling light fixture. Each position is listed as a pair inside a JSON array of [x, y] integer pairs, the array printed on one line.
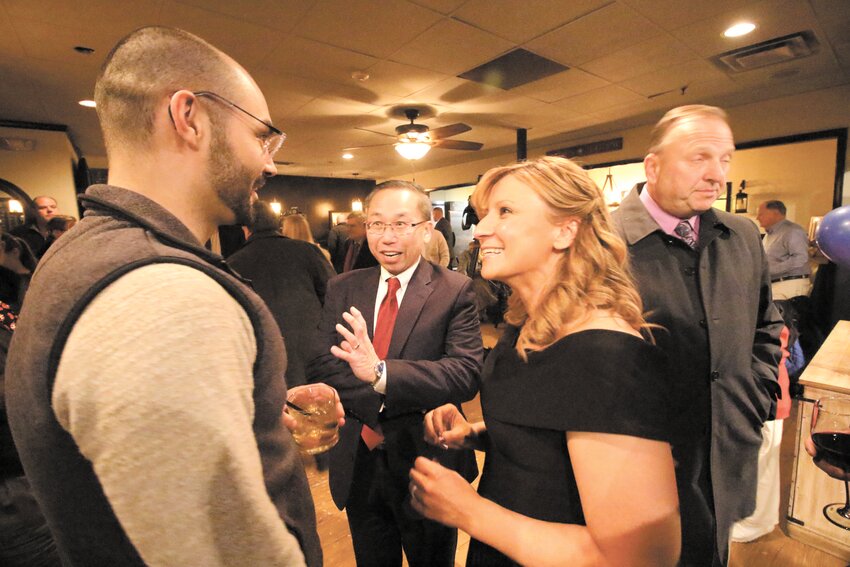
[[276, 207], [347, 156], [742, 28], [88, 103], [412, 150]]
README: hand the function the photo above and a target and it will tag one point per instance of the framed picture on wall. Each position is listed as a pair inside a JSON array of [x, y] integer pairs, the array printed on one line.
[[336, 217]]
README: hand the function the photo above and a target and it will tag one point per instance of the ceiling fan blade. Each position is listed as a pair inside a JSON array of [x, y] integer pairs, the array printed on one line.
[[371, 146], [375, 132], [457, 145], [449, 131]]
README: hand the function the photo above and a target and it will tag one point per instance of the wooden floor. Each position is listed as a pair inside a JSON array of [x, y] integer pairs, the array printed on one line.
[[773, 550]]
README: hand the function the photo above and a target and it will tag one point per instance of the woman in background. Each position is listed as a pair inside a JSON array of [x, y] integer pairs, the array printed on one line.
[[296, 227], [578, 468]]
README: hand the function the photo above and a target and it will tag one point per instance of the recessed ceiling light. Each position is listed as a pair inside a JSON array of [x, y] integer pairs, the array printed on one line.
[[88, 103], [739, 29], [347, 156]]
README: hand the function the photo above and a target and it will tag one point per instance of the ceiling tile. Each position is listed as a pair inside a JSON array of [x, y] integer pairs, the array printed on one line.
[[675, 77], [373, 28], [773, 18], [604, 31], [558, 87], [451, 47], [396, 79], [82, 14], [314, 60], [441, 6], [19, 97], [834, 17], [673, 14], [10, 45], [655, 53], [249, 44], [523, 21], [599, 99], [42, 40], [282, 15]]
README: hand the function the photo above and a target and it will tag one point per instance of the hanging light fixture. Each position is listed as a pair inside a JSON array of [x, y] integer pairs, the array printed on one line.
[[412, 150], [741, 198], [276, 207], [356, 205]]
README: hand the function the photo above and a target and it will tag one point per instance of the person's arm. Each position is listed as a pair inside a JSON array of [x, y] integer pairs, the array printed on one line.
[[628, 494], [442, 250], [795, 245], [155, 385], [766, 345]]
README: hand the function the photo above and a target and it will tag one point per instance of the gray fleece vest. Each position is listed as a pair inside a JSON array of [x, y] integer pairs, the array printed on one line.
[[120, 232]]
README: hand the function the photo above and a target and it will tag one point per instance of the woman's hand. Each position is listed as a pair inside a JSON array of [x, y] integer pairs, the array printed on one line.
[[441, 494], [447, 428]]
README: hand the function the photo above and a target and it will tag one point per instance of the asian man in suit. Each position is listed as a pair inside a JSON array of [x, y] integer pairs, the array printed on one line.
[[399, 339]]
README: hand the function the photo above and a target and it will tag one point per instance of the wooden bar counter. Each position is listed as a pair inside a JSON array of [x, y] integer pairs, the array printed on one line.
[[828, 374]]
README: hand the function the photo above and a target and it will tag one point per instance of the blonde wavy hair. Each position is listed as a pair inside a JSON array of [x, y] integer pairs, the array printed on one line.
[[593, 272]]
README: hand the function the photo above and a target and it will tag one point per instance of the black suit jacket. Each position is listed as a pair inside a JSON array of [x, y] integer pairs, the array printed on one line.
[[291, 276], [364, 259], [434, 358]]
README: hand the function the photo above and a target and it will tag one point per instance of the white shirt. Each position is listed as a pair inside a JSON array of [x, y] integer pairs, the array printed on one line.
[[403, 279]]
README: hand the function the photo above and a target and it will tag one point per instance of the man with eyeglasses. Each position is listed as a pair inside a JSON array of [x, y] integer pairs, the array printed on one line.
[[398, 340], [145, 386]]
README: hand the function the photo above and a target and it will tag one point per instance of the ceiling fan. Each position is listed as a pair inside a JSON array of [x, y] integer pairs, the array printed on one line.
[[413, 140]]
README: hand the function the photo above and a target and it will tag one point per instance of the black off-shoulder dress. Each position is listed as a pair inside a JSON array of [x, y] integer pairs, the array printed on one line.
[[594, 381]]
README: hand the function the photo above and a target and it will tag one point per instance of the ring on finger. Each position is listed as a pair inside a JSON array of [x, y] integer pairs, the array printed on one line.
[[357, 347], [413, 491]]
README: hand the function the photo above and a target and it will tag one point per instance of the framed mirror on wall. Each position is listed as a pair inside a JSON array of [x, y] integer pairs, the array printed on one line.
[[13, 202]]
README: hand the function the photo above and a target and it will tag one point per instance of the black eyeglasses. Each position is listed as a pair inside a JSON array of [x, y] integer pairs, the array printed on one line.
[[271, 140]]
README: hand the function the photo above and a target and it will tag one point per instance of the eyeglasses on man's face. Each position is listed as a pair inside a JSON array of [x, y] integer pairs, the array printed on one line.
[[271, 140], [399, 228]]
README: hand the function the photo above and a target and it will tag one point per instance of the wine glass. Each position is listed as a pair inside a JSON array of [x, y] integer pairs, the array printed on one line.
[[831, 436]]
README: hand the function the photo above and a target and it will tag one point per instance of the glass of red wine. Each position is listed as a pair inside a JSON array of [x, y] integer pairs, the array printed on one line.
[[831, 436]]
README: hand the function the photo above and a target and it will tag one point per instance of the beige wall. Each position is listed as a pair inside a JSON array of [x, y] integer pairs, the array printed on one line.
[[47, 170], [819, 110]]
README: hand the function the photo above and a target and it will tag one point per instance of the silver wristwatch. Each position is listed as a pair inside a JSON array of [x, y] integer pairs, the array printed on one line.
[[379, 373]]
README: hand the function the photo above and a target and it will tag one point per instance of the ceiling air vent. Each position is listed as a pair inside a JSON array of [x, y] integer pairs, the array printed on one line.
[[777, 50]]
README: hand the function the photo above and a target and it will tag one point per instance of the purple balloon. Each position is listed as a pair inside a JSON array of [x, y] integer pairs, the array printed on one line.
[[833, 236]]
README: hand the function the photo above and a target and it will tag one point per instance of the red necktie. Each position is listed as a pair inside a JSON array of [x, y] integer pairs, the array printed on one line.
[[381, 341]]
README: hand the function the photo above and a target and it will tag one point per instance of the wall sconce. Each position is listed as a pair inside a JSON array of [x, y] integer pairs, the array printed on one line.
[[356, 205], [15, 206], [741, 198], [276, 207]]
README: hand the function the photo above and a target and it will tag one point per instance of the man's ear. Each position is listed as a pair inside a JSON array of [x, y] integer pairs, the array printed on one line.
[[650, 168], [426, 236], [184, 114], [566, 233]]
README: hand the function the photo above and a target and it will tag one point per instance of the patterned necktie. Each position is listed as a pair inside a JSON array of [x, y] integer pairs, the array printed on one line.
[[686, 233], [381, 341]]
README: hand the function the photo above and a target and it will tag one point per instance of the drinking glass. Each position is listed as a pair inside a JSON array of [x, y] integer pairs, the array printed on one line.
[[314, 410], [831, 436]]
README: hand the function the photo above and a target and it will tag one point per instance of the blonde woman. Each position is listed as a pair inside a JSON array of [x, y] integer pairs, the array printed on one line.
[[578, 468], [296, 227]]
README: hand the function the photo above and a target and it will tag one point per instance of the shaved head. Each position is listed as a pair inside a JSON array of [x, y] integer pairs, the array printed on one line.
[[148, 65]]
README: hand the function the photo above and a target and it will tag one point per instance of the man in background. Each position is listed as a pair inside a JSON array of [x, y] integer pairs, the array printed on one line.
[[441, 223], [787, 247], [145, 379], [356, 251], [410, 342], [703, 278]]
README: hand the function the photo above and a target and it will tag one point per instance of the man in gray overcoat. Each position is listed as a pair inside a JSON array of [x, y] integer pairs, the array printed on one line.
[[704, 279]]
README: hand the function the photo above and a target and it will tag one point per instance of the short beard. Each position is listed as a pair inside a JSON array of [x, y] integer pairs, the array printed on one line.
[[231, 181]]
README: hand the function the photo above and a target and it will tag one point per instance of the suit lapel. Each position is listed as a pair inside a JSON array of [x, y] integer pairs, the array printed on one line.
[[411, 307], [363, 297]]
